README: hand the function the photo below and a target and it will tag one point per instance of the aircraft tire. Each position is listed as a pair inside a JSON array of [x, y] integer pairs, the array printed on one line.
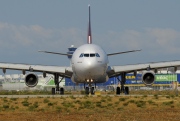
[[53, 91], [87, 90], [118, 90], [61, 91], [126, 91], [92, 91]]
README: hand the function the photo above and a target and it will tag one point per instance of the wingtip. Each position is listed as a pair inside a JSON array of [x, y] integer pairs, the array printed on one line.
[[137, 50], [40, 51]]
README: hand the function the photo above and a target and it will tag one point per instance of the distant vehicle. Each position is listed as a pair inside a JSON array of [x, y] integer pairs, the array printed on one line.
[[146, 88], [168, 88]]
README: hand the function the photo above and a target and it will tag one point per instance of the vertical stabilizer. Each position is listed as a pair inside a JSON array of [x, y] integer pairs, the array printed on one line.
[[89, 37]]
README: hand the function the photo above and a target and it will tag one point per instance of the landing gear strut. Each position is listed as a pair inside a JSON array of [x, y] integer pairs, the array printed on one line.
[[122, 89], [58, 89]]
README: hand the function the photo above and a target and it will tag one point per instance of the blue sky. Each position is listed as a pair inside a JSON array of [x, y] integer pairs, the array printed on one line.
[[118, 25]]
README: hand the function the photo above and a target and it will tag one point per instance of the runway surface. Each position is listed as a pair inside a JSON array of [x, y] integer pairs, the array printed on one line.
[[56, 96]]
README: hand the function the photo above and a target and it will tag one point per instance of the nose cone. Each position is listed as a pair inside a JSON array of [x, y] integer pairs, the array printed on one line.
[[90, 65], [93, 68], [90, 69]]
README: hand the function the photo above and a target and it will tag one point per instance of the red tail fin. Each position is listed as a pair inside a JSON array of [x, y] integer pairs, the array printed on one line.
[[89, 37]]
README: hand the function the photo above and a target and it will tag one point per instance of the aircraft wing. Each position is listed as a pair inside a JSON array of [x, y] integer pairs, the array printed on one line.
[[117, 70], [55, 53], [62, 71], [122, 52]]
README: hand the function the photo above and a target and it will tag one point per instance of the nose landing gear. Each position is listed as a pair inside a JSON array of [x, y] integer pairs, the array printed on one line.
[[89, 89]]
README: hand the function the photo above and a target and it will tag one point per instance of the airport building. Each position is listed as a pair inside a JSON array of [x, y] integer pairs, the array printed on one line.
[[16, 81], [131, 79], [162, 77]]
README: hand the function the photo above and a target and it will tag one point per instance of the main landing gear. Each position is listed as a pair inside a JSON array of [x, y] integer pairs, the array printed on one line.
[[122, 89], [89, 89], [58, 89]]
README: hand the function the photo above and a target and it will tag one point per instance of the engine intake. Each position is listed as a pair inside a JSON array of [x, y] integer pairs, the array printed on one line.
[[148, 77], [31, 80]]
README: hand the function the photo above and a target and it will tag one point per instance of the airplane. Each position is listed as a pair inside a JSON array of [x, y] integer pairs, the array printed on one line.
[[89, 65]]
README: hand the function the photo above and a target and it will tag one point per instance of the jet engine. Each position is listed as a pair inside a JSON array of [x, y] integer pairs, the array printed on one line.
[[148, 77], [31, 80]]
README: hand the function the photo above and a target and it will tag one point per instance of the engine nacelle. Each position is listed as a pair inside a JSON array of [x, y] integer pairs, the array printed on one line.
[[31, 80], [148, 77]]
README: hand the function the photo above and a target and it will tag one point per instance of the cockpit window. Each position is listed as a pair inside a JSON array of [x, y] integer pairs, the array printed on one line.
[[97, 55], [92, 54], [86, 55], [89, 55], [81, 55]]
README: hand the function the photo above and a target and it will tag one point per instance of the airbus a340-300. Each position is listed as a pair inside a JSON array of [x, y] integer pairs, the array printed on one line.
[[89, 65]]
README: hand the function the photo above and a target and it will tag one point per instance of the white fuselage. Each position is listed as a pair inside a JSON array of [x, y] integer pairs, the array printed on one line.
[[89, 64]]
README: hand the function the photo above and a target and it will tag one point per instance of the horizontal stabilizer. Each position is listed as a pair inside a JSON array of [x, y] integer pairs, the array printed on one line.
[[55, 53], [122, 52]]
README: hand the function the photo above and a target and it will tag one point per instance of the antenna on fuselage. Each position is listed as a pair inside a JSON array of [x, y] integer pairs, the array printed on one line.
[[89, 37]]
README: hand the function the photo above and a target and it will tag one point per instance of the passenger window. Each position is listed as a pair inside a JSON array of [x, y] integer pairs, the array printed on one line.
[[81, 55], [92, 55], [97, 55], [86, 55]]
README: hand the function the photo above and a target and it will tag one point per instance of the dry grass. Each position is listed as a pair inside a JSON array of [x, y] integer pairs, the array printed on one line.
[[106, 108]]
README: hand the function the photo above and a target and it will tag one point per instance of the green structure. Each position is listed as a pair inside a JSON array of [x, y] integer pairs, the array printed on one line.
[[166, 77]]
